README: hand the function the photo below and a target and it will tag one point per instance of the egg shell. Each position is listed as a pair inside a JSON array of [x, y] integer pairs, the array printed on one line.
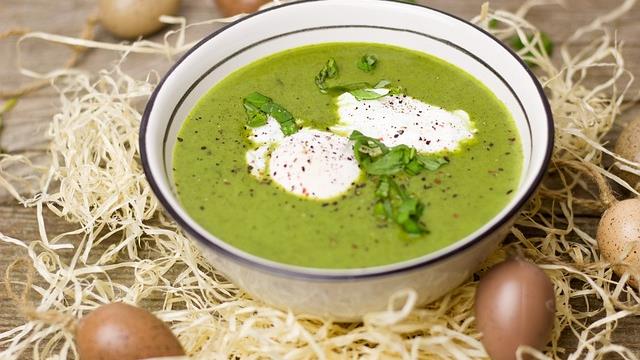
[[233, 7], [514, 306], [628, 146], [619, 238], [119, 331], [129, 19]]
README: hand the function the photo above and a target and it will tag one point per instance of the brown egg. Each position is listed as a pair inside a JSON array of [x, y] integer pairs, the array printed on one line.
[[233, 7], [628, 146], [515, 305], [123, 332], [619, 238], [129, 19]]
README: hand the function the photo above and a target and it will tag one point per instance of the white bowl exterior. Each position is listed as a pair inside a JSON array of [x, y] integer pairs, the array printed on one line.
[[348, 300], [342, 21]]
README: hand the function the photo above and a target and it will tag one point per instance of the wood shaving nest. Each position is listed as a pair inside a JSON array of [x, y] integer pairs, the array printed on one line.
[[95, 181]]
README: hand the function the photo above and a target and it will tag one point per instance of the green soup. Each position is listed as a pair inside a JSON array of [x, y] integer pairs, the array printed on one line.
[[215, 187]]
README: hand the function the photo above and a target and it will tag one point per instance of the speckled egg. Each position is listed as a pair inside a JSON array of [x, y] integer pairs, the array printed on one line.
[[129, 19], [233, 7], [628, 146], [119, 331], [514, 306], [619, 238]]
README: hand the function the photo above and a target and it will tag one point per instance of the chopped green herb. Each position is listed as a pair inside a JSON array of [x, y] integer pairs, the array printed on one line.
[[365, 91], [377, 159], [409, 213], [396, 90], [252, 105], [329, 71], [394, 203], [257, 99], [431, 163], [259, 107], [341, 89], [383, 189], [545, 46], [369, 94], [493, 24], [368, 63], [366, 149]]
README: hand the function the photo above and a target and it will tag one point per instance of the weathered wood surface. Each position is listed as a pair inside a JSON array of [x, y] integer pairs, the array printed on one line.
[[25, 127]]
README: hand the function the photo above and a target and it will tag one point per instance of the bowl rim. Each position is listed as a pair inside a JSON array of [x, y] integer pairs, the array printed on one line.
[[335, 274]]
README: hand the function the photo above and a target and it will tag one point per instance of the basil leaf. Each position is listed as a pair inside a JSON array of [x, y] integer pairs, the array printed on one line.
[[366, 148], [382, 84], [257, 99], [259, 107], [413, 226], [364, 90], [341, 89], [545, 45], [277, 112], [255, 117], [369, 94], [382, 191], [407, 214], [252, 106], [393, 162], [329, 71], [414, 167], [286, 120], [432, 163], [407, 209], [289, 128], [388, 164], [377, 159], [396, 90], [332, 68], [367, 63], [384, 207]]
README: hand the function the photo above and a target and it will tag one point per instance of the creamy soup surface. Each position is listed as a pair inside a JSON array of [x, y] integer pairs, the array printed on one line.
[[346, 155]]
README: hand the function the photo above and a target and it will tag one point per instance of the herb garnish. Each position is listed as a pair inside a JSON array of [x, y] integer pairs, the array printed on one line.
[[545, 43], [365, 91], [367, 63], [403, 208], [329, 71], [259, 107], [393, 201], [369, 94], [545, 46]]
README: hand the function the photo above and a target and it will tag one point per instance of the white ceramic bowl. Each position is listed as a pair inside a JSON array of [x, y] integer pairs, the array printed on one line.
[[347, 294]]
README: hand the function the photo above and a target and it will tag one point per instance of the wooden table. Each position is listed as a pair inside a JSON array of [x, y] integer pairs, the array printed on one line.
[[26, 125]]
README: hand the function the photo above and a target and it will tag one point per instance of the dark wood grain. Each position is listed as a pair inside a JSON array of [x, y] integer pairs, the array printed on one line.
[[25, 127]]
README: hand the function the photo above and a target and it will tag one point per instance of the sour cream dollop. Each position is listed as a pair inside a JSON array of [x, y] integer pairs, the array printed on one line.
[[401, 119], [310, 163], [321, 164], [314, 163]]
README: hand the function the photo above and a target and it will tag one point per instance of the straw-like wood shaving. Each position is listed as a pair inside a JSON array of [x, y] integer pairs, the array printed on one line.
[[95, 181]]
